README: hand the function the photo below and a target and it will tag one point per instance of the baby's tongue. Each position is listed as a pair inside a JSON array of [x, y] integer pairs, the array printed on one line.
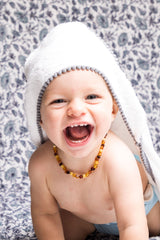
[[77, 133]]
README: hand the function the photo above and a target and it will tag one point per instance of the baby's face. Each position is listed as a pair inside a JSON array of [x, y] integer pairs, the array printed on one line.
[[77, 110]]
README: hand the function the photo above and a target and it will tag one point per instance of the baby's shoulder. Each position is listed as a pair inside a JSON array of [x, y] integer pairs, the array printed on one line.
[[40, 159], [116, 142], [119, 159], [116, 150]]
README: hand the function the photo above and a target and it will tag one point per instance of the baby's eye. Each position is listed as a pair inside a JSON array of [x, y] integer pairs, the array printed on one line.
[[92, 96], [58, 101], [93, 99]]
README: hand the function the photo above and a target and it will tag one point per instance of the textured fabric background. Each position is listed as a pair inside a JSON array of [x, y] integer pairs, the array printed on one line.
[[132, 30]]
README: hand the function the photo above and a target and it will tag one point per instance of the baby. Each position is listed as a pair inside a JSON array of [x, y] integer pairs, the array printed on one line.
[[93, 168]]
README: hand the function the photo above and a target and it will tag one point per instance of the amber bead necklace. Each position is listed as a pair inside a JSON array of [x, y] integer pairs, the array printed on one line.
[[75, 175]]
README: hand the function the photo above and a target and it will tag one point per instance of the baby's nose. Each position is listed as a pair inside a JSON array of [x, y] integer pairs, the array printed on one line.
[[76, 108]]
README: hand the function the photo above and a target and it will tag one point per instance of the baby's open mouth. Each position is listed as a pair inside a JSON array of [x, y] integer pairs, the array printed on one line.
[[78, 133]]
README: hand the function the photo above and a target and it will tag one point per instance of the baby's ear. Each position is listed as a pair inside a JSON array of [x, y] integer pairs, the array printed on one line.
[[114, 109], [41, 123]]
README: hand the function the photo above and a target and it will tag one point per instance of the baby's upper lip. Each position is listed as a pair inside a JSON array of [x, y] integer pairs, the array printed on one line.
[[76, 124]]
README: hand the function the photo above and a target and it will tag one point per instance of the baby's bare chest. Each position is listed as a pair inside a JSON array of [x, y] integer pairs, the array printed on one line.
[[87, 198]]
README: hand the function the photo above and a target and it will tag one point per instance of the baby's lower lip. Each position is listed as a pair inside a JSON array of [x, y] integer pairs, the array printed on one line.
[[77, 143]]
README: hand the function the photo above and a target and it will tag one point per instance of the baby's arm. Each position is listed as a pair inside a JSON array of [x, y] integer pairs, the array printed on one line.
[[127, 194], [45, 214]]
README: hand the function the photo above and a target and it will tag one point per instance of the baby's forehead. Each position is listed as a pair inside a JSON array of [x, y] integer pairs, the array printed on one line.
[[85, 78]]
